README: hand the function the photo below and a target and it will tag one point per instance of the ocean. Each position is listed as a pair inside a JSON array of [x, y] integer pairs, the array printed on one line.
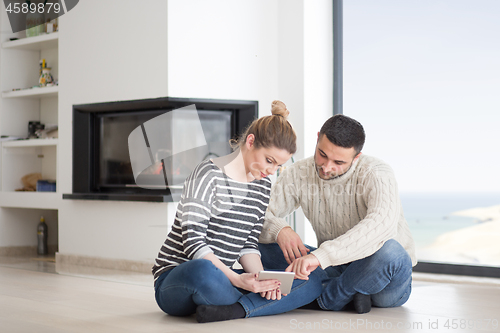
[[429, 214]]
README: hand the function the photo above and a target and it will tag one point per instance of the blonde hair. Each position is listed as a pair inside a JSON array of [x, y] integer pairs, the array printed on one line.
[[272, 131]]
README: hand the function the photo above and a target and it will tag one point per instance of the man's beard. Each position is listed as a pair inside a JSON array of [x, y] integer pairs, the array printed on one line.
[[324, 176], [329, 175]]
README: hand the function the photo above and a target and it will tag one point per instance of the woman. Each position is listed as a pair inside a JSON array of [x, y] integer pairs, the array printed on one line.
[[218, 221]]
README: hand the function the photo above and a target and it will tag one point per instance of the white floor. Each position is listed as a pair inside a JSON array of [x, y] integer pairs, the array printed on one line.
[[34, 298]]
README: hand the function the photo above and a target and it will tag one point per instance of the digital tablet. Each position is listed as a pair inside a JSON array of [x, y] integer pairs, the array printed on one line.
[[286, 279]]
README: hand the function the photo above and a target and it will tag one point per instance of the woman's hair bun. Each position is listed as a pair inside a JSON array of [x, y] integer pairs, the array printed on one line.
[[278, 108], [271, 131]]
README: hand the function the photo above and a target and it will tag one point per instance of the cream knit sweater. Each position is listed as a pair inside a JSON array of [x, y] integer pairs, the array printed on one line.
[[352, 215]]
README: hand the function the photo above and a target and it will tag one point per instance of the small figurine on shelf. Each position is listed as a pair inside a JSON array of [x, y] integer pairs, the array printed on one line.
[[46, 79]]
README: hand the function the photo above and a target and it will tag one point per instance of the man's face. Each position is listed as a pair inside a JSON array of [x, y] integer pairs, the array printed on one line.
[[331, 160]]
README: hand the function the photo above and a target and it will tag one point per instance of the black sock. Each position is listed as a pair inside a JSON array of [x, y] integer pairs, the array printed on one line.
[[362, 303], [311, 306], [210, 313]]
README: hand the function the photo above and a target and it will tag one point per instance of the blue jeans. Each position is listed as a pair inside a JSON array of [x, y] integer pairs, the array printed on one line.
[[180, 290], [385, 275]]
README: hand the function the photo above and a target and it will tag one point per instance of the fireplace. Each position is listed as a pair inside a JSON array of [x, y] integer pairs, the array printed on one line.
[[142, 150]]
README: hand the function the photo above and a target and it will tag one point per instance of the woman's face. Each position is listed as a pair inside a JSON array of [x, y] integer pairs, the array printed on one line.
[[261, 162]]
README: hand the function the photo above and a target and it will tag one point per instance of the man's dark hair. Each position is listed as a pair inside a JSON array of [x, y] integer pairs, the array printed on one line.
[[344, 132]]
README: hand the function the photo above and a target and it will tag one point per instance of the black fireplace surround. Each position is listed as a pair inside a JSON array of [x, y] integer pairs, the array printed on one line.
[[101, 166]]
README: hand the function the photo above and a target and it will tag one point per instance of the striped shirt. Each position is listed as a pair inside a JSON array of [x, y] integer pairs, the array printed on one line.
[[215, 215]]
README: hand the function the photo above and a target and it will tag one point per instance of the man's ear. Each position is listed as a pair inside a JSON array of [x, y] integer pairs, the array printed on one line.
[[357, 156]]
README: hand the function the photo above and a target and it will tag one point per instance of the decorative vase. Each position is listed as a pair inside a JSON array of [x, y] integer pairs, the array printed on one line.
[[46, 78], [34, 24]]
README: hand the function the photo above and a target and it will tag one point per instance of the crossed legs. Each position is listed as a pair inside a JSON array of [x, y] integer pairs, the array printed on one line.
[[181, 290], [385, 276]]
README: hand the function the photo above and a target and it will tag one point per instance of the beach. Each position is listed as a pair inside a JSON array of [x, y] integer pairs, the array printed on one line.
[[478, 244]]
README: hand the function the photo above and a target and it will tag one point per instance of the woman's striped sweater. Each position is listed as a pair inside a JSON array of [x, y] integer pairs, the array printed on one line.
[[215, 215]]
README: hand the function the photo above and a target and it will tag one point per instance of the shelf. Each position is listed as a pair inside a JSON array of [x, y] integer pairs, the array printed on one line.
[[39, 200], [38, 43], [45, 92], [118, 197], [30, 143]]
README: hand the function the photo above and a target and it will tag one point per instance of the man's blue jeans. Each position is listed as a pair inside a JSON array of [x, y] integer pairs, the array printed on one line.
[[180, 290], [385, 275]]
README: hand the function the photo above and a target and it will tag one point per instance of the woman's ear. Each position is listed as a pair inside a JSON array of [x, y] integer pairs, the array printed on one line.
[[250, 141]]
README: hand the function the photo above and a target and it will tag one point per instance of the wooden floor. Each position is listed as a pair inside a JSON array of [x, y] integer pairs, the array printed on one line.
[[34, 298]]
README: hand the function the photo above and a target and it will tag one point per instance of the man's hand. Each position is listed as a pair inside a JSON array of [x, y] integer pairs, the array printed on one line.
[[291, 244], [303, 266]]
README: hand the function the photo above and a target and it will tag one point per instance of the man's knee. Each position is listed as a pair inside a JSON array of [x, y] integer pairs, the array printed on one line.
[[392, 252], [393, 298]]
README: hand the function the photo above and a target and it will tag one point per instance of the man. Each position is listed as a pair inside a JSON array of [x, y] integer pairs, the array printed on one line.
[[353, 205]]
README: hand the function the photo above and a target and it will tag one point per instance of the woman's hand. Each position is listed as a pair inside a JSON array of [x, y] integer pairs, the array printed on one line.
[[273, 294], [248, 281]]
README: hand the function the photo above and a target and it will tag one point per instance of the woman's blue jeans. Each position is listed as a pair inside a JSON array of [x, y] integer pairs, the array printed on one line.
[[180, 290], [385, 275]]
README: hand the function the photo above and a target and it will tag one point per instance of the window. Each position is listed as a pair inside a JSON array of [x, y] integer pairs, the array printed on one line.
[[423, 77]]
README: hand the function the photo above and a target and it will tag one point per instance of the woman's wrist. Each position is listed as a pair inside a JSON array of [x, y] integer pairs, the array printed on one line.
[[235, 280], [251, 263]]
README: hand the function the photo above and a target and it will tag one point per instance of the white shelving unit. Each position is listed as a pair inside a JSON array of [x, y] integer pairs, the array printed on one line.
[[30, 143], [32, 200], [38, 43], [21, 157], [20, 104], [34, 93]]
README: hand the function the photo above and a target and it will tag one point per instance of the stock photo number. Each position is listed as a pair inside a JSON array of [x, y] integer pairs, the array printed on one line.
[[453, 324], [41, 8], [28, 14]]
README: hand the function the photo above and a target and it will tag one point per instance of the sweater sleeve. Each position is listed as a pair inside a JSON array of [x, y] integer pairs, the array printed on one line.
[[195, 210], [380, 224], [251, 244], [284, 200]]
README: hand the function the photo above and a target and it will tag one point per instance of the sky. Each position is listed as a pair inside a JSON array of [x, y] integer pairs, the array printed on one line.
[[423, 77]]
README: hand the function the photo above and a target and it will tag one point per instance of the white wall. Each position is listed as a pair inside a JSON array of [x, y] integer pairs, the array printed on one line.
[[109, 50], [224, 49], [318, 69], [318, 79], [291, 64], [305, 76]]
